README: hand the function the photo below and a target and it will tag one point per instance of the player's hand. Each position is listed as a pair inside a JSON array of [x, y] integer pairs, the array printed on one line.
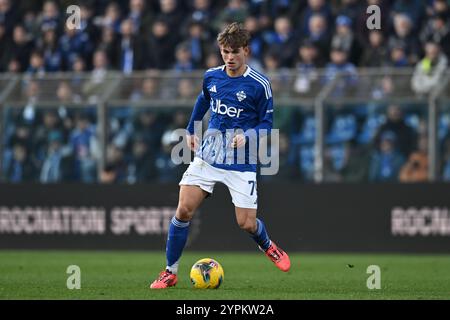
[[238, 141], [192, 141]]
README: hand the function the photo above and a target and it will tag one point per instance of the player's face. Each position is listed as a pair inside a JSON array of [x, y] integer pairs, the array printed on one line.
[[234, 59]]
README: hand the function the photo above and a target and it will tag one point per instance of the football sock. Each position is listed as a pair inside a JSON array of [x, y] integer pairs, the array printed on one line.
[[260, 236], [176, 240]]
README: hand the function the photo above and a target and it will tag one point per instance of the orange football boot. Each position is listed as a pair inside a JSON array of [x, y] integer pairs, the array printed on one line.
[[279, 257], [165, 279]]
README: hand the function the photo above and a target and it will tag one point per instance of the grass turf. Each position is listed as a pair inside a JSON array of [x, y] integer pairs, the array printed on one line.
[[126, 275]]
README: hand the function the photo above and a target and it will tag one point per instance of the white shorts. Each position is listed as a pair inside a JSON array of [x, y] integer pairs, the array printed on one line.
[[242, 185]]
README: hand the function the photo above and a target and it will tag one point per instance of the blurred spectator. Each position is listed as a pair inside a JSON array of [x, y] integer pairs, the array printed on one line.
[[150, 127], [98, 78], [110, 18], [198, 41], [320, 35], [110, 43], [383, 88], [414, 9], [57, 165], [66, 97], [429, 71], [167, 170], [74, 43], [282, 42], [235, 11], [186, 90], [438, 30], [202, 11], [131, 49], [351, 9], [405, 37], [50, 16], [256, 41], [416, 168], [49, 46], [141, 16], [395, 124], [21, 168], [269, 10], [32, 93], [387, 161], [213, 60], [21, 135], [141, 167], [36, 66], [307, 72], [161, 46], [171, 11], [344, 38], [31, 25], [314, 8], [3, 46], [278, 78], [289, 168], [147, 91], [398, 57], [355, 166], [78, 75], [183, 58], [255, 63], [115, 160], [84, 144], [376, 53], [14, 66], [20, 48], [8, 16], [86, 23], [340, 67], [439, 7], [50, 123]]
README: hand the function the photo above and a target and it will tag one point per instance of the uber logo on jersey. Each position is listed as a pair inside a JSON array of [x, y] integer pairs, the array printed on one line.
[[222, 108]]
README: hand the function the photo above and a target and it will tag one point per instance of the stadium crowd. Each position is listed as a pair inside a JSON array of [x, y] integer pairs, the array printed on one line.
[[363, 144]]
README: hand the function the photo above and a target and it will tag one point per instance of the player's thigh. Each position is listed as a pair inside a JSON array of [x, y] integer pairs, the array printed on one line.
[[243, 189], [189, 200], [245, 217]]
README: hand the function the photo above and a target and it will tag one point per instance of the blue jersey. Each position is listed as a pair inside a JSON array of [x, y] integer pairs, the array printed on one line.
[[243, 102]]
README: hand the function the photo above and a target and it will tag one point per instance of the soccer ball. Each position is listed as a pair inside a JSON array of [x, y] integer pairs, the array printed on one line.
[[207, 273]]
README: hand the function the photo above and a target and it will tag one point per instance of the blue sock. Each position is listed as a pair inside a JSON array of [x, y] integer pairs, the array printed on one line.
[[260, 236], [176, 240]]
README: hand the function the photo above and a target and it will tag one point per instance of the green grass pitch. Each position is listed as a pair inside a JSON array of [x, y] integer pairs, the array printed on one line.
[[126, 275]]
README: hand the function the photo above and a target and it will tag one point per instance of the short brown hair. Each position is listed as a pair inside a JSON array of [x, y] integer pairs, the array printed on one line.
[[234, 36]]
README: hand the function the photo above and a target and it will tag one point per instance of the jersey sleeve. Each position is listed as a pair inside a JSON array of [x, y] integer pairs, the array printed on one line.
[[265, 111], [200, 108]]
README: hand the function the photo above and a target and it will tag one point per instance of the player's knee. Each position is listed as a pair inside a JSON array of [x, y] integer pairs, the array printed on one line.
[[184, 212]]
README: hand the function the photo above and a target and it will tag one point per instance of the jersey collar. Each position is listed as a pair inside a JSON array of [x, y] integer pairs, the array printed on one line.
[[247, 71]]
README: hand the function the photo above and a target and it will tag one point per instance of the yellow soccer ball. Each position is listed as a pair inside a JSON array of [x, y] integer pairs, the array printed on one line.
[[207, 273]]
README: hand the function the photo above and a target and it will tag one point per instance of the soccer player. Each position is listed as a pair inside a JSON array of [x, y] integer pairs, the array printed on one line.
[[239, 98]]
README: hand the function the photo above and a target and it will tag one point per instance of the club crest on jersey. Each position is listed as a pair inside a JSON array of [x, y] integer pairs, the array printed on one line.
[[241, 95]]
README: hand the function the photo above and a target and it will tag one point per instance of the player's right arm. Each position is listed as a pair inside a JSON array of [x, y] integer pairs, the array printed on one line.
[[200, 108]]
